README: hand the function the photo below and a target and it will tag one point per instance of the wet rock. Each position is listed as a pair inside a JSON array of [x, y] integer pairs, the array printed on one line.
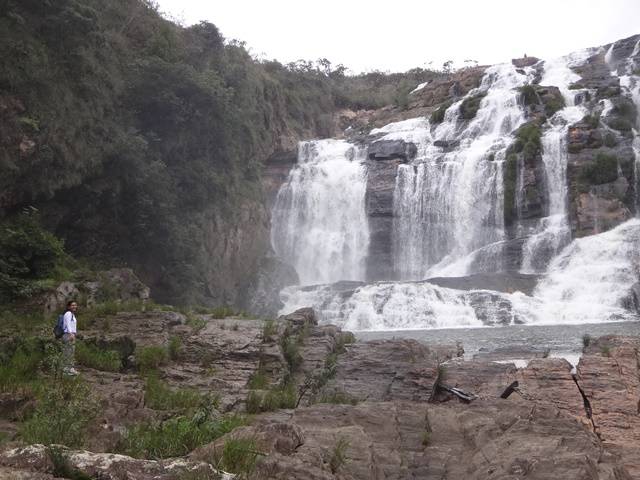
[[508, 282], [524, 61], [262, 293], [392, 149]]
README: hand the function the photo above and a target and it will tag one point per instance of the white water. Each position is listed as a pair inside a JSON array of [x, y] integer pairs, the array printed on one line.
[[446, 205], [553, 232], [318, 221], [588, 282]]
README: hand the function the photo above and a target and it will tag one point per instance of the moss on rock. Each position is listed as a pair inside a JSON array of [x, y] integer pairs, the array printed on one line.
[[603, 169], [470, 106]]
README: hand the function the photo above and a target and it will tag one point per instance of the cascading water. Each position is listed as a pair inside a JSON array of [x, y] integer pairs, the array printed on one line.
[[446, 205], [448, 222], [553, 231], [318, 221], [589, 281]]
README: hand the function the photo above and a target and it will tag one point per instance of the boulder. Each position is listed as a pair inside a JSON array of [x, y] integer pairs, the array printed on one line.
[[524, 61], [392, 149]]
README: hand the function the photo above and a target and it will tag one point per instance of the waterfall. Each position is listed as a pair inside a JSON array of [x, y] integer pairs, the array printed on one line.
[[631, 82], [448, 204], [553, 232], [589, 281], [319, 224]]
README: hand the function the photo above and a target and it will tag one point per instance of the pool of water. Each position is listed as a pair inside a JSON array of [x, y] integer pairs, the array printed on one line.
[[564, 341]]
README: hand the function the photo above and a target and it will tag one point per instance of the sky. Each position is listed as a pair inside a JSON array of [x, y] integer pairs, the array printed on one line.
[[396, 35]]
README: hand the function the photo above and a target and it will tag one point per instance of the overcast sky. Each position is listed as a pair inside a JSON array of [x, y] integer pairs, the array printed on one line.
[[397, 35]]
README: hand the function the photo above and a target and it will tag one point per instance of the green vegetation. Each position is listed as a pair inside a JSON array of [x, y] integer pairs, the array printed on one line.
[[529, 95], [64, 409], [20, 361], [151, 357], [336, 397], [149, 130], [510, 176], [586, 340], [176, 436], [159, 396], [283, 396], [438, 115], [269, 330], [29, 255], [591, 120], [603, 169], [91, 356], [470, 105], [610, 140], [553, 103], [605, 350], [175, 347], [338, 455], [620, 124], [259, 379], [61, 466], [239, 456], [426, 438]]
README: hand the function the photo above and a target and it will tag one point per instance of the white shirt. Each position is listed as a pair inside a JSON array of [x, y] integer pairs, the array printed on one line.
[[69, 322]]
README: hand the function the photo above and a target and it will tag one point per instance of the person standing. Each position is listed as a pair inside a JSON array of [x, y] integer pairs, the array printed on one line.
[[70, 327]]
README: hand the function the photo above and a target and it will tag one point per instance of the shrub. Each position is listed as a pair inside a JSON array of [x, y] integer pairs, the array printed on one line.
[[552, 103], [269, 329], [258, 380], [620, 124], [61, 466], [610, 140], [91, 356], [603, 169], [195, 322], [20, 363], [177, 436], [64, 409], [591, 120], [283, 396], [605, 350], [291, 352], [28, 253], [337, 397], [586, 340], [159, 396], [338, 454], [470, 106], [438, 115], [345, 338], [152, 357], [528, 95], [426, 438], [174, 348], [239, 456], [222, 312]]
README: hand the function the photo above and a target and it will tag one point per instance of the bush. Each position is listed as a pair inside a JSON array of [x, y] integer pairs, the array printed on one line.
[[159, 396], [91, 356], [610, 140], [174, 348], [337, 397], [20, 362], [438, 115], [338, 454], [591, 120], [177, 436], [222, 312], [279, 397], [528, 95], [28, 253], [64, 410], [258, 380], [152, 357], [470, 106], [239, 456], [603, 170], [553, 103], [269, 330], [620, 124]]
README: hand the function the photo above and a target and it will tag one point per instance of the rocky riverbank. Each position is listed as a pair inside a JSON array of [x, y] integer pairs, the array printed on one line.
[[377, 409]]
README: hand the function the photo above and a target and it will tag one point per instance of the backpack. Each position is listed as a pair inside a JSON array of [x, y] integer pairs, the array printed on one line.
[[58, 330]]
